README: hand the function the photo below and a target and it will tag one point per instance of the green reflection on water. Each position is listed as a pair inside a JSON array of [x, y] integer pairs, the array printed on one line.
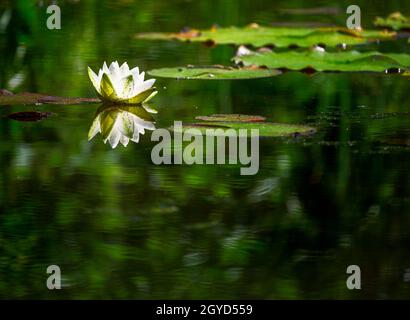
[[120, 227]]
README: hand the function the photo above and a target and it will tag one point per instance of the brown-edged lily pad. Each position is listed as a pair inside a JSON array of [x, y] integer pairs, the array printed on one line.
[[8, 98], [259, 36]]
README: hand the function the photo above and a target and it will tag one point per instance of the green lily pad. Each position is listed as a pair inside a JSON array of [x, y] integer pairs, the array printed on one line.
[[8, 98], [395, 21], [232, 117], [259, 36], [212, 73], [324, 61], [266, 129]]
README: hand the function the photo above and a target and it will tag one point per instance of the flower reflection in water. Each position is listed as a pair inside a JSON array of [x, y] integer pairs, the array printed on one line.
[[121, 123]]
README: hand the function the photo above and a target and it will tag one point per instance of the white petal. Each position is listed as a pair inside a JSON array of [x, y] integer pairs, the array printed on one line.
[[124, 141], [143, 86], [127, 88], [114, 138], [149, 108], [126, 126], [115, 77], [140, 124], [96, 81], [115, 135], [124, 70], [141, 77], [100, 75], [105, 68], [118, 84], [93, 74], [114, 67], [138, 128], [136, 133], [138, 79], [150, 82], [95, 128], [135, 72], [136, 137]]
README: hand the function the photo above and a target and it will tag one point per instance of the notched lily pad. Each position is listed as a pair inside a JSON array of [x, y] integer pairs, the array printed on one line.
[[8, 98], [29, 116], [259, 36], [395, 21], [231, 128], [213, 73], [323, 61]]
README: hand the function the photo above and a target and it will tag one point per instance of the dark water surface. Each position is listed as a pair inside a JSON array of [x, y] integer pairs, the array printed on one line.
[[121, 227]]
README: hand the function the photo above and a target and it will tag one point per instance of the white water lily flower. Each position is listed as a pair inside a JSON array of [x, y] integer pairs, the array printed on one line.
[[120, 124], [122, 85]]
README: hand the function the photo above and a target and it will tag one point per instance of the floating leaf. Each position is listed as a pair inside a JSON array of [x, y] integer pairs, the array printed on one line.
[[312, 11], [266, 129], [29, 116], [67, 100], [302, 24], [232, 117], [280, 37], [323, 61], [395, 21], [212, 73], [8, 98]]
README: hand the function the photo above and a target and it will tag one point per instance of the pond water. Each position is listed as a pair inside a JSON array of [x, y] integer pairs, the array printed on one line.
[[121, 227]]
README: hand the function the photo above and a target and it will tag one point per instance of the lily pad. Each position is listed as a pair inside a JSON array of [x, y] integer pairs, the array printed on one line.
[[266, 129], [312, 11], [8, 98], [395, 21], [259, 36], [213, 73], [232, 117], [324, 61]]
